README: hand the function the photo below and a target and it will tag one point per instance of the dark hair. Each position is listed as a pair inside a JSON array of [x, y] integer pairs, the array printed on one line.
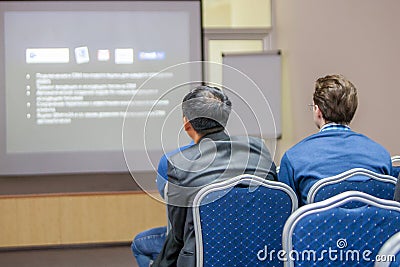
[[207, 109], [336, 97]]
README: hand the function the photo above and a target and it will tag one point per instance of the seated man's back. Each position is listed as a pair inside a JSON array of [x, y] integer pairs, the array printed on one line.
[[335, 148], [214, 157], [329, 153], [219, 157]]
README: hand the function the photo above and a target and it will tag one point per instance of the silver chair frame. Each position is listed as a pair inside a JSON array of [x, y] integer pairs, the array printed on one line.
[[390, 248], [333, 202], [395, 159], [344, 176]]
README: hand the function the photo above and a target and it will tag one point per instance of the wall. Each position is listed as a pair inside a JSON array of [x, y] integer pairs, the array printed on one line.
[[77, 218], [236, 13], [358, 38]]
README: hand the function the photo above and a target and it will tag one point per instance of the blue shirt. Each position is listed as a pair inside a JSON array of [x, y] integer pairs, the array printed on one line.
[[331, 151], [162, 169]]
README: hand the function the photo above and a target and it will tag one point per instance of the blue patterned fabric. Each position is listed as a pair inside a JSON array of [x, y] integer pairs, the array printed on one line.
[[349, 232], [240, 223], [396, 171]]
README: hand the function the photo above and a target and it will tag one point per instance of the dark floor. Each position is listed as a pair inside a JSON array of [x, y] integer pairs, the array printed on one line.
[[113, 256]]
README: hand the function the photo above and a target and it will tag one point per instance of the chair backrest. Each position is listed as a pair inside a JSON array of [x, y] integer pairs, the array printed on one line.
[[326, 234], [236, 219], [396, 165], [357, 179], [395, 159], [389, 254]]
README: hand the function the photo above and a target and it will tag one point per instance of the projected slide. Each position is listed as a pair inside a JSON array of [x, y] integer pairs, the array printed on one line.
[[71, 69], [78, 72]]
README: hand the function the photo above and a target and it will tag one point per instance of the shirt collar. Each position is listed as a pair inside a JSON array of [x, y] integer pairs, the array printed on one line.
[[215, 136], [334, 126]]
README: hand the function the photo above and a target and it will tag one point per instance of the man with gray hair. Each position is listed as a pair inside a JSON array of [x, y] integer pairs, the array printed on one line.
[[214, 157]]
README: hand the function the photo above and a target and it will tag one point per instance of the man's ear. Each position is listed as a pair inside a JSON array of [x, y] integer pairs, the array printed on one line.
[[318, 111], [186, 124]]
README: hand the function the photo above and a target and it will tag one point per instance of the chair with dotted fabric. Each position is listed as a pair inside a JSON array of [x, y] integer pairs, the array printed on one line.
[[396, 166], [327, 234], [389, 254], [234, 220], [357, 179]]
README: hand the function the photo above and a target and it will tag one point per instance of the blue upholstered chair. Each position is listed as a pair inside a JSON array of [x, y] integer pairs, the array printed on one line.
[[236, 219], [357, 179], [389, 254], [327, 234], [396, 165]]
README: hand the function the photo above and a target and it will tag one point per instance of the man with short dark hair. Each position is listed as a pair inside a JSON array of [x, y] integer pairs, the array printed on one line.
[[335, 148], [215, 156]]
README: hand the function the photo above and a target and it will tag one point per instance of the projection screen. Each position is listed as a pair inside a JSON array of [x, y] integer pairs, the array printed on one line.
[[71, 68]]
